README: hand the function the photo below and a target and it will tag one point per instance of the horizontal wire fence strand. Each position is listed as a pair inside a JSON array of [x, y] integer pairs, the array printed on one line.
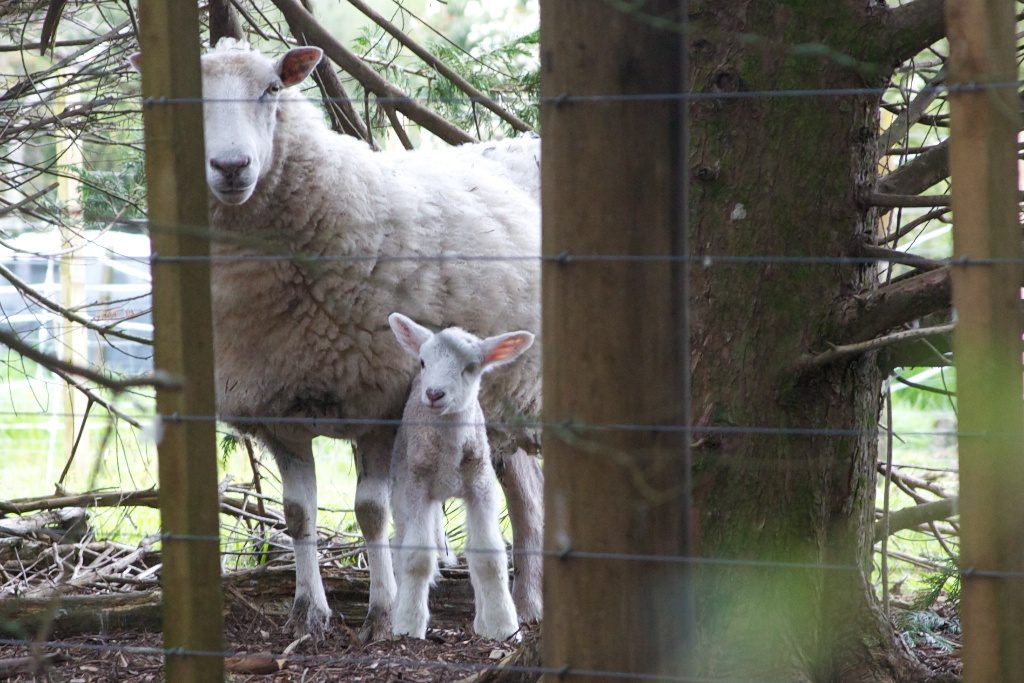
[[563, 426], [564, 258], [569, 98]]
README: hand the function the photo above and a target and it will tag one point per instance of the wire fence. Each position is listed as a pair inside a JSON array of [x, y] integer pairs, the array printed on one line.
[[560, 429]]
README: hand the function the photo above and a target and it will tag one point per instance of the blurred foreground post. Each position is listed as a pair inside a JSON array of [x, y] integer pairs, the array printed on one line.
[[615, 343], [987, 342], [192, 617]]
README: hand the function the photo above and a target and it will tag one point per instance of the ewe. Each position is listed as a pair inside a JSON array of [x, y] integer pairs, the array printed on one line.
[[317, 240], [442, 452]]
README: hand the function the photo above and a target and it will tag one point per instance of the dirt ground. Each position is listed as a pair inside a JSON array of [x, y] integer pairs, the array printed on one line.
[[254, 627], [255, 613]]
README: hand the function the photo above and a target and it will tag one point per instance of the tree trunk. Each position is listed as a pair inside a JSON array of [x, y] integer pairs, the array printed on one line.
[[784, 176]]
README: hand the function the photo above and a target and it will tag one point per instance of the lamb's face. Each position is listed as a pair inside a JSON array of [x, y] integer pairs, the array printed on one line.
[[450, 371], [241, 89]]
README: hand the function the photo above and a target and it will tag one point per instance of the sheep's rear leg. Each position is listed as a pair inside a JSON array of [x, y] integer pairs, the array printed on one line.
[[373, 461], [522, 479], [488, 565], [310, 613]]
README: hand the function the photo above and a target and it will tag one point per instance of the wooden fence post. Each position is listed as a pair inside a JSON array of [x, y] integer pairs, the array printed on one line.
[[615, 343], [183, 347], [983, 158]]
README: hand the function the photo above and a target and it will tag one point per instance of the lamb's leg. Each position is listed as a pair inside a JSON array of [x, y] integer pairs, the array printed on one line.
[[488, 564], [310, 613], [417, 564], [522, 479], [373, 459]]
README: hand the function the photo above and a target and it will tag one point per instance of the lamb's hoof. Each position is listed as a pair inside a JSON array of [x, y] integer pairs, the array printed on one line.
[[309, 619], [377, 625]]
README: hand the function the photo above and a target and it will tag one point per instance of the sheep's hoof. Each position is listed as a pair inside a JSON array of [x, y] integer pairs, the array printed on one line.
[[377, 625], [529, 605], [309, 619]]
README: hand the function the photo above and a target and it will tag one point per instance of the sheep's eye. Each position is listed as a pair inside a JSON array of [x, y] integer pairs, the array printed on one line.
[[422, 364], [273, 89], [471, 368]]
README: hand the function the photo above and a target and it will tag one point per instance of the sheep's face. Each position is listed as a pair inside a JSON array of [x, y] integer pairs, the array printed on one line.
[[242, 91], [453, 361]]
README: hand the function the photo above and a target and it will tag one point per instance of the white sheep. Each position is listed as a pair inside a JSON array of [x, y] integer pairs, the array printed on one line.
[[317, 240], [442, 452]]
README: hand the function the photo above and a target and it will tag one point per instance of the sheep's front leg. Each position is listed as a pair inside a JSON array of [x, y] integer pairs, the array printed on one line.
[[522, 479], [310, 613], [417, 561], [373, 459], [488, 564]]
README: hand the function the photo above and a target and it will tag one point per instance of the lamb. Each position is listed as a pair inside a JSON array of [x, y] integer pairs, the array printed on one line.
[[317, 240], [441, 451]]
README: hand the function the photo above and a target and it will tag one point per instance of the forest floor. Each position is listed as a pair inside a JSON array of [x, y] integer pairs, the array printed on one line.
[[262, 648], [124, 644]]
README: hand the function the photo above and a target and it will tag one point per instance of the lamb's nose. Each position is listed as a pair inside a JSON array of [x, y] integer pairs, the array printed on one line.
[[435, 394], [230, 165]]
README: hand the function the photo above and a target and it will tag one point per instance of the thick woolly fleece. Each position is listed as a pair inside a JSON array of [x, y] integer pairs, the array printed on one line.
[[308, 335]]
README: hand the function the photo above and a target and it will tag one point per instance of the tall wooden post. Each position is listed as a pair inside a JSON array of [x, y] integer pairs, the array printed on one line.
[[615, 347], [183, 337], [987, 342], [73, 338]]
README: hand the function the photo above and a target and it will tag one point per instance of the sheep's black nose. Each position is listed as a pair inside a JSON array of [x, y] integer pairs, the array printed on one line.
[[434, 394], [230, 165]]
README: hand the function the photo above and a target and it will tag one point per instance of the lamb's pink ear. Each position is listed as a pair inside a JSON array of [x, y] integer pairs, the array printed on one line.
[[297, 63], [504, 348], [136, 61], [408, 333]]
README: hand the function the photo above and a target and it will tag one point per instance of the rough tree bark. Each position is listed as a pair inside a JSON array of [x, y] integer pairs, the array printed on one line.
[[789, 176], [783, 520]]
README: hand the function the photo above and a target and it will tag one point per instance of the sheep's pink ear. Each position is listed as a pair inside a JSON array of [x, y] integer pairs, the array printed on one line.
[[136, 61], [505, 348], [408, 333], [297, 63]]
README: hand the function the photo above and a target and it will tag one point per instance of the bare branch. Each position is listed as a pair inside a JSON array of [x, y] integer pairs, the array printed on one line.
[[41, 299], [53, 13], [836, 353], [223, 21], [344, 117], [901, 257], [909, 115], [932, 352], [27, 200], [913, 225], [908, 201], [307, 25], [911, 517], [912, 27], [16, 344], [396, 125], [441, 68], [918, 174], [869, 314]]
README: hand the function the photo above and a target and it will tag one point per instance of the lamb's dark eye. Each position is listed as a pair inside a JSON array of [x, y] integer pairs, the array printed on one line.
[[422, 364], [471, 368]]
